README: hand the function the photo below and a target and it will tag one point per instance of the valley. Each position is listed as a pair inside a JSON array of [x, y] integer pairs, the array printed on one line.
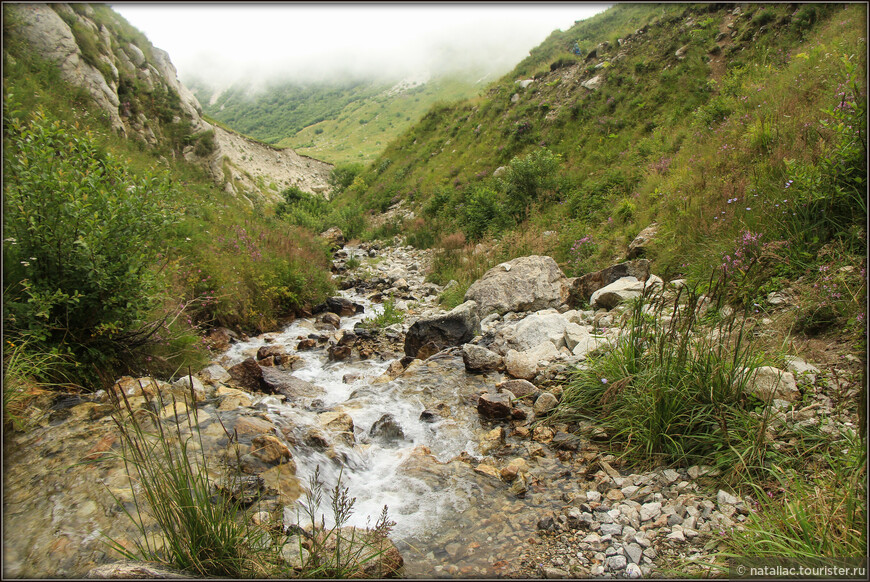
[[603, 316]]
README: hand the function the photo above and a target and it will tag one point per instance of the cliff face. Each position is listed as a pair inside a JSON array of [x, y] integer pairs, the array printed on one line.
[[136, 85]]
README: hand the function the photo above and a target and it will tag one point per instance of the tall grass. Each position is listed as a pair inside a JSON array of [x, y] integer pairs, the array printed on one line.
[[188, 522], [810, 517], [25, 373], [673, 388], [198, 533]]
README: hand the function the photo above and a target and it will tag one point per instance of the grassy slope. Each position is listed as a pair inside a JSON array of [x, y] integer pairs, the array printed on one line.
[[226, 263], [702, 144], [338, 123]]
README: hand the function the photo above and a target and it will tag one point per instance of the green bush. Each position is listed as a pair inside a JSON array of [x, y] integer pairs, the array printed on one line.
[[482, 213], [527, 180], [342, 176], [82, 237]]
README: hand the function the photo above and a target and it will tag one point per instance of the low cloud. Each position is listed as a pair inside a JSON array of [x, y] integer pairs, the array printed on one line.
[[223, 44]]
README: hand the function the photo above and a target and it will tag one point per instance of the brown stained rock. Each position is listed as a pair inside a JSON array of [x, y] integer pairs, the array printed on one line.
[[269, 449], [273, 351], [247, 375], [582, 288], [494, 406]]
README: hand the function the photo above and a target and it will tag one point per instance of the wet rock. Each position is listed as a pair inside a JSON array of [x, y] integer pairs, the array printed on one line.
[[269, 449], [430, 335], [214, 374], [479, 359], [341, 423], [327, 320], [277, 381], [338, 352], [343, 307], [248, 375], [271, 351], [492, 441], [495, 406], [387, 429], [306, 344], [429, 416], [524, 284]]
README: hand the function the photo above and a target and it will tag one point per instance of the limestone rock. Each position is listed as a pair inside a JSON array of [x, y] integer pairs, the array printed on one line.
[[528, 283], [768, 382], [479, 359], [641, 242]]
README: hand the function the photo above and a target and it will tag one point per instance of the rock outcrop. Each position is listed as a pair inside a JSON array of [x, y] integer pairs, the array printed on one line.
[[525, 284], [138, 90]]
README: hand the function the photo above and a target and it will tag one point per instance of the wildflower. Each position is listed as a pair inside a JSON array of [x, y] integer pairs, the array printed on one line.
[[604, 380]]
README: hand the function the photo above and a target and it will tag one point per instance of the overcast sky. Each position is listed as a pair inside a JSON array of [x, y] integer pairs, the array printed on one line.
[[222, 43]]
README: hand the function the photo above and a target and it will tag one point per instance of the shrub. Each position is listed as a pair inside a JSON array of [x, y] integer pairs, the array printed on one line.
[[83, 234], [482, 213], [527, 179], [387, 316], [342, 176]]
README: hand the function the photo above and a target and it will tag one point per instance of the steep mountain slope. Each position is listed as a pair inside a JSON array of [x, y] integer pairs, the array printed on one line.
[[341, 122], [698, 104], [136, 86]]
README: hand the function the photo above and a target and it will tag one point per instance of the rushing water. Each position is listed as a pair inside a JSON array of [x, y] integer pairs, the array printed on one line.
[[449, 518]]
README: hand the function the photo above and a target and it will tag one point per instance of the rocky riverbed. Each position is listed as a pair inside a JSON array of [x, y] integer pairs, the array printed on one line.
[[437, 417]]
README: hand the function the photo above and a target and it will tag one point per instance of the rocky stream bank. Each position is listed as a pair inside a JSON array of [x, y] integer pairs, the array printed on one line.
[[437, 417]]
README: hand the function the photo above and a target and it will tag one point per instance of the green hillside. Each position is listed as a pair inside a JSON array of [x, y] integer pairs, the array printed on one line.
[[118, 256], [338, 122], [709, 120]]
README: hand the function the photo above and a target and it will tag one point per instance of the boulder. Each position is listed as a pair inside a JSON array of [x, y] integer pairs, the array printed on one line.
[[387, 429], [220, 338], [640, 244], [479, 359], [528, 283], [768, 382], [248, 375], [582, 288], [269, 449], [622, 290], [430, 335], [497, 406], [334, 238], [275, 381], [328, 320], [539, 328]]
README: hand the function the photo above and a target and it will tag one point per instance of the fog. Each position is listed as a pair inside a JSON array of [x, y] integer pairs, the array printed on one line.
[[220, 44]]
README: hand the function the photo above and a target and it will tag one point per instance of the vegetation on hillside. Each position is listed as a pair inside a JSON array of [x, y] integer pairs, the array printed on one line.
[[338, 122], [116, 256]]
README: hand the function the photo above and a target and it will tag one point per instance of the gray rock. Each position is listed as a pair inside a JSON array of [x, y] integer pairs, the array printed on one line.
[[634, 553], [524, 284], [725, 498], [545, 403], [214, 374], [430, 335], [616, 563], [768, 383], [633, 571], [642, 241], [594, 83], [801, 369], [479, 359], [551, 572], [613, 529], [621, 291], [387, 429], [650, 511], [582, 288]]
